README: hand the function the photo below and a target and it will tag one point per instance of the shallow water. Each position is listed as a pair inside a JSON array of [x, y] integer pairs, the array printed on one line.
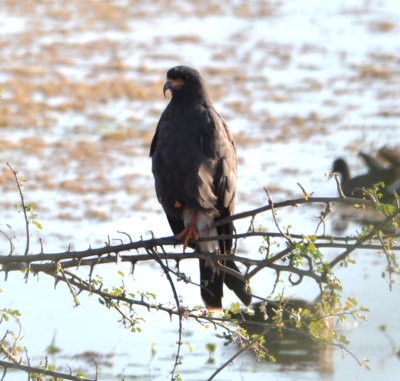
[[300, 83]]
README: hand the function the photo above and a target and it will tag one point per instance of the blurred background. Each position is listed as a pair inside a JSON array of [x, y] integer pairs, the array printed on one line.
[[300, 83]]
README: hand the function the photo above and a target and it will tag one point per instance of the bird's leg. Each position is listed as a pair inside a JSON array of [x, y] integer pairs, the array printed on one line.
[[190, 231]]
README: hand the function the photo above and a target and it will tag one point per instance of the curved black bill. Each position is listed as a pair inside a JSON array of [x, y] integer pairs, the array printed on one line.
[[167, 86]]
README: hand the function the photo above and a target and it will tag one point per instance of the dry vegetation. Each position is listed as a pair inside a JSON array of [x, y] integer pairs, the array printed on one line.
[[83, 92]]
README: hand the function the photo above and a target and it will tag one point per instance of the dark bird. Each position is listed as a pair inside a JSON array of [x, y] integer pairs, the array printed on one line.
[[356, 186], [392, 155], [194, 167], [371, 162]]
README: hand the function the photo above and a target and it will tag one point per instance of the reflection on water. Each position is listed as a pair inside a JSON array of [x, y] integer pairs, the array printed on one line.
[[347, 215], [287, 344]]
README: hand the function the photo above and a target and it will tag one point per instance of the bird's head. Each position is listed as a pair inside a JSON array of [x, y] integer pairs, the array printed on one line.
[[340, 167], [184, 81]]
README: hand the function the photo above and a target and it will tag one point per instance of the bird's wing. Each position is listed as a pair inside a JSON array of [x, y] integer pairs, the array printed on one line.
[[154, 143], [372, 163], [194, 162], [225, 171], [224, 177]]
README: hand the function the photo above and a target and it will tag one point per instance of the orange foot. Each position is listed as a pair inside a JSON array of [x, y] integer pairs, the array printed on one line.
[[189, 232]]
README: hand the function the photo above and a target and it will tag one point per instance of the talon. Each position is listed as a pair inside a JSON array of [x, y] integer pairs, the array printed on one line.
[[187, 234], [190, 232]]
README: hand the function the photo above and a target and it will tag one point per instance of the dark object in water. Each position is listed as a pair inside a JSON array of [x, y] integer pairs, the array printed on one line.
[[357, 186], [290, 345]]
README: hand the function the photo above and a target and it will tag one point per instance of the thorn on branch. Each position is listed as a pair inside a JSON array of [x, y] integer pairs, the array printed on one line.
[[306, 194], [251, 225], [132, 269], [90, 275], [126, 234]]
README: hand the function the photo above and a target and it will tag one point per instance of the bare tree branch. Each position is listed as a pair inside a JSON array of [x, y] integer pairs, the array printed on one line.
[[297, 254], [30, 369]]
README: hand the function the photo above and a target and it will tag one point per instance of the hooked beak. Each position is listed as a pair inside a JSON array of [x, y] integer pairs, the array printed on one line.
[[173, 84], [167, 86]]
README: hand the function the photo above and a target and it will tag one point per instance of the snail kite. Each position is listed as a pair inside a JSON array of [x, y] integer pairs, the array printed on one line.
[[194, 167]]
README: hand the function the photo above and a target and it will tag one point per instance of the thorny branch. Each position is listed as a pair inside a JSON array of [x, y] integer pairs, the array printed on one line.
[[8, 348], [300, 256], [46, 262], [31, 369]]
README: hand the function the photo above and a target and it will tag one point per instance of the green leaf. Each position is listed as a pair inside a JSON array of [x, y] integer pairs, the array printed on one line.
[[383, 327], [52, 350], [51, 367], [38, 225], [235, 308], [211, 347], [189, 347]]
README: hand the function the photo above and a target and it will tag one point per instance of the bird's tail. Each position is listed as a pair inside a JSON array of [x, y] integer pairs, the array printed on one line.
[[237, 285], [211, 285], [212, 280]]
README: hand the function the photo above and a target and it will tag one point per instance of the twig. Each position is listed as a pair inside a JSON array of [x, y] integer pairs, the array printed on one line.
[[242, 350], [323, 215], [362, 239], [8, 353], [154, 254], [271, 204], [21, 196], [73, 293], [12, 247], [30, 369], [295, 202], [339, 185]]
